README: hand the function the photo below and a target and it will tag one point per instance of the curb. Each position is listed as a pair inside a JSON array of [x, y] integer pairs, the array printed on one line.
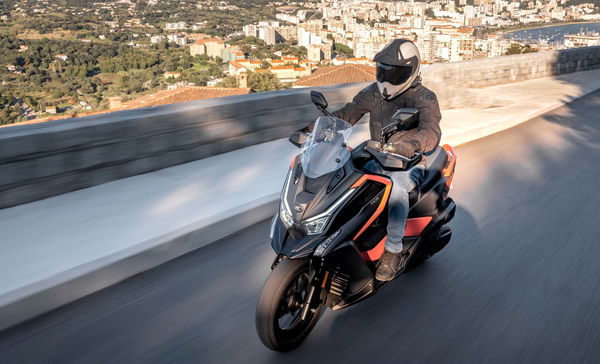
[[34, 300]]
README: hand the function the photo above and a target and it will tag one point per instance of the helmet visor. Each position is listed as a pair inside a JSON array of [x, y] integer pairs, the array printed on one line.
[[396, 75]]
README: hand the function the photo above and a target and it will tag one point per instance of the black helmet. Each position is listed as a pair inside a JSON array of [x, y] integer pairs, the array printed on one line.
[[398, 67]]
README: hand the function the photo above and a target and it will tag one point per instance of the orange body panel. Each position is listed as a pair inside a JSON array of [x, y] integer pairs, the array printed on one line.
[[375, 253], [448, 171], [293, 161], [414, 227], [386, 195]]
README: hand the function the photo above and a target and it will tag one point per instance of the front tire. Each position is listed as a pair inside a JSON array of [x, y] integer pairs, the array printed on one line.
[[279, 308]]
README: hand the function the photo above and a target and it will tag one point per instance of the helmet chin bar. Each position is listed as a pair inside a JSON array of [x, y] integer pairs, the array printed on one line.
[[389, 91]]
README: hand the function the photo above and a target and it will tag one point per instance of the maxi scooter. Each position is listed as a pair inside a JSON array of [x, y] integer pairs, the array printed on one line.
[[330, 229]]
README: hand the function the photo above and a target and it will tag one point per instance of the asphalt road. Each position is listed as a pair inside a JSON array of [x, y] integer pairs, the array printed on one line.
[[518, 283]]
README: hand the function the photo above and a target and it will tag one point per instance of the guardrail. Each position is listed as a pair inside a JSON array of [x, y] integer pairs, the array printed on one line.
[[43, 160]]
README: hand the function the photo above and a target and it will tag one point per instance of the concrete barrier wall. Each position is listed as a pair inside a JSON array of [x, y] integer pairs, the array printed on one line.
[[47, 159], [522, 67], [43, 160]]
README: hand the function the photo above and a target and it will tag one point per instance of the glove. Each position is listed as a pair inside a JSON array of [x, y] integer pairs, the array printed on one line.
[[403, 148], [373, 144]]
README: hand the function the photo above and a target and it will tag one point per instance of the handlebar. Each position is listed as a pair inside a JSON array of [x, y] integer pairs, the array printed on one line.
[[415, 158], [393, 161]]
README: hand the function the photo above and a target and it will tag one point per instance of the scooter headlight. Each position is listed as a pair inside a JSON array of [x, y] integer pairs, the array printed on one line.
[[314, 227], [285, 216]]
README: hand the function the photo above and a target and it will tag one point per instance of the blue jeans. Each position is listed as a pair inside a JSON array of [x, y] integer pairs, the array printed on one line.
[[398, 205]]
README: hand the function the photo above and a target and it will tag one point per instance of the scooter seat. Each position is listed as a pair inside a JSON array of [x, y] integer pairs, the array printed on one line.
[[434, 164]]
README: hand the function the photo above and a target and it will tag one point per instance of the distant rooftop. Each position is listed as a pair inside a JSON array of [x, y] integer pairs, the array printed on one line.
[[183, 94], [333, 75]]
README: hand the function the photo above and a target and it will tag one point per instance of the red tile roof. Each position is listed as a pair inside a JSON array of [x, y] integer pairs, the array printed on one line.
[[210, 40], [282, 67], [235, 64], [334, 75], [183, 94]]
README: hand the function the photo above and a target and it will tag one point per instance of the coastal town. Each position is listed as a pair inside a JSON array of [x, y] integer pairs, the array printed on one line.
[[150, 53]]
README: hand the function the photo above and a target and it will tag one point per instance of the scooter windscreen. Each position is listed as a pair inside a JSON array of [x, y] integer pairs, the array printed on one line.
[[326, 149]]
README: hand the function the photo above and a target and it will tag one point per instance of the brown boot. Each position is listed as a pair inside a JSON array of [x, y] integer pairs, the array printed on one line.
[[390, 265]]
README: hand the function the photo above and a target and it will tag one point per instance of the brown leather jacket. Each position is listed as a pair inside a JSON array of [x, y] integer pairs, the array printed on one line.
[[424, 136]]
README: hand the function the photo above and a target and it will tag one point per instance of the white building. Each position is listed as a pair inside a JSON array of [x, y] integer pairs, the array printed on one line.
[[176, 26], [582, 40], [157, 39]]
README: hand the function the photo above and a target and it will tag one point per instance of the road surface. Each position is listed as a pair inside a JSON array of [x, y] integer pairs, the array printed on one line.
[[518, 283]]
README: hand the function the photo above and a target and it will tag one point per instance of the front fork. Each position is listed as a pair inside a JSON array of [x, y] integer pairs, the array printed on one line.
[[317, 290]]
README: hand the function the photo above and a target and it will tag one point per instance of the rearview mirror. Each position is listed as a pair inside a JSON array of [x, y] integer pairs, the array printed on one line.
[[318, 99], [406, 114]]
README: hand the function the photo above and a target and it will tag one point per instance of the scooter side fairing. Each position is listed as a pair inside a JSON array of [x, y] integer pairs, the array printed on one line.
[[436, 235], [347, 261]]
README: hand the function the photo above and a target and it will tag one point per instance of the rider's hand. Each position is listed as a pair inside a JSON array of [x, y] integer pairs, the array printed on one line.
[[373, 144], [403, 148]]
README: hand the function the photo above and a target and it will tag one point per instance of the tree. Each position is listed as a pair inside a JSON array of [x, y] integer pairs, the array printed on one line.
[[513, 49], [9, 111], [516, 48], [429, 13], [229, 82], [264, 81], [343, 50]]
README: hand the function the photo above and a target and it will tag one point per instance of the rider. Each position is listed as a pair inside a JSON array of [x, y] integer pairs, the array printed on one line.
[[398, 86]]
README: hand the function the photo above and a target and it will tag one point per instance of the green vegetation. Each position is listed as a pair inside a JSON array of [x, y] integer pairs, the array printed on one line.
[[519, 49], [75, 54], [257, 81], [258, 49], [343, 49], [264, 81], [9, 110], [92, 71]]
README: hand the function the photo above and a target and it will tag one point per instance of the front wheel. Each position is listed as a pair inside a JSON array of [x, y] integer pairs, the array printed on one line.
[[278, 314]]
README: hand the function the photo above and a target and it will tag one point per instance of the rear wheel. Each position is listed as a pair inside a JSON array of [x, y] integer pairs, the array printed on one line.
[[278, 314]]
